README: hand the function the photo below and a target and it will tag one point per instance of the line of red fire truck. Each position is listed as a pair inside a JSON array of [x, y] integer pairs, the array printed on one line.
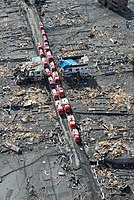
[[61, 102]]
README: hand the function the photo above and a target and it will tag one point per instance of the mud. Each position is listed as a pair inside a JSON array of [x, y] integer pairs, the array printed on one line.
[[73, 27]]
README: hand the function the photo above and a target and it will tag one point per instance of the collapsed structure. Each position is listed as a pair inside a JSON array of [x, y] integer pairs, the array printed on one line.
[[76, 64], [29, 73], [115, 5]]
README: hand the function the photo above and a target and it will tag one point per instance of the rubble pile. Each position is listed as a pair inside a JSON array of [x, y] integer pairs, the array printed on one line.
[[4, 71], [96, 130], [114, 182], [73, 28], [64, 162], [23, 66], [19, 135], [27, 97], [65, 17], [27, 65], [89, 96], [109, 98], [67, 52], [112, 149], [118, 98], [20, 119]]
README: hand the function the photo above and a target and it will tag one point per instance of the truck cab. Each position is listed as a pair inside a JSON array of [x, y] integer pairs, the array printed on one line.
[[71, 121], [47, 72], [59, 107], [42, 55], [49, 57], [60, 91], [56, 77], [55, 94], [76, 135], [51, 82], [66, 105], [52, 66]]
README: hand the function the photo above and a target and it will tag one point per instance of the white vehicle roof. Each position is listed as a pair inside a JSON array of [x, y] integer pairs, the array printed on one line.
[[47, 70], [44, 59], [59, 106], [70, 118], [64, 101], [52, 64], [50, 78], [75, 131], [55, 73], [60, 88], [57, 102], [49, 53], [54, 91]]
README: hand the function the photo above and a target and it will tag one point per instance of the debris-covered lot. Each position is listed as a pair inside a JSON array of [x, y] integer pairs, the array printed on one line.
[[37, 160]]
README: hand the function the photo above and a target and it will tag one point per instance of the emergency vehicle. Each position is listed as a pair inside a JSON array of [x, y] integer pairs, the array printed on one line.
[[60, 91], [45, 38], [56, 77], [40, 46], [41, 52], [66, 105], [55, 94], [52, 66], [47, 72], [51, 82], [41, 26], [61, 103], [71, 121], [59, 107], [47, 48], [76, 135], [43, 33], [49, 57]]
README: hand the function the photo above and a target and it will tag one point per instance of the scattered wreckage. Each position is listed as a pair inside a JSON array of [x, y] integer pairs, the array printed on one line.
[[58, 95], [74, 69], [74, 65], [30, 72]]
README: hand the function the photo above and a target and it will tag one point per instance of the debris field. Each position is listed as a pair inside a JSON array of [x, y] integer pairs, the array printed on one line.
[[39, 157]]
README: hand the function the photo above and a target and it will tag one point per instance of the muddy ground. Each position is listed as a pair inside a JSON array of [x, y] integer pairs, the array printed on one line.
[[48, 168]]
